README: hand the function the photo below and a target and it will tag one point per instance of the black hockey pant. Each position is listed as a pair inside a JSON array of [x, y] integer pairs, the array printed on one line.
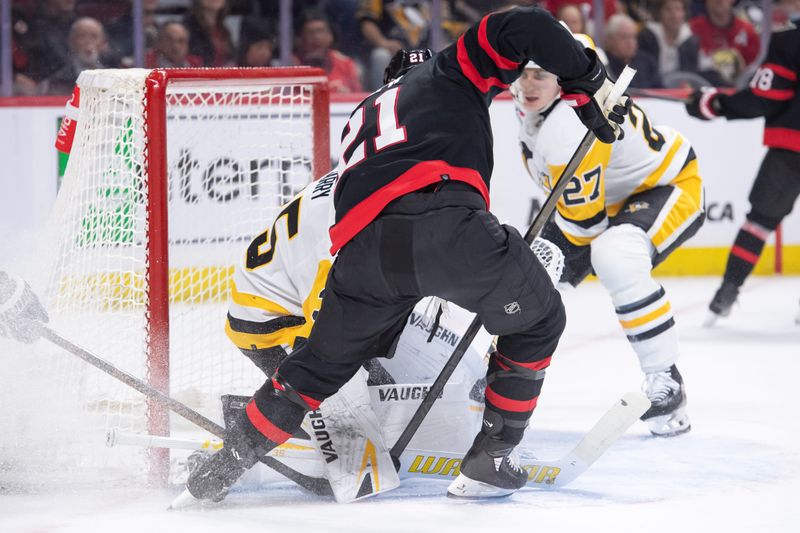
[[429, 244]]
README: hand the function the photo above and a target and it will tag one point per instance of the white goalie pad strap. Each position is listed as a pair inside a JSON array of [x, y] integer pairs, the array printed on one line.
[[346, 432]]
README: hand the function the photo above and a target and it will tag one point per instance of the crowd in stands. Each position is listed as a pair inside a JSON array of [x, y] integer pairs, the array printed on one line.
[[672, 43]]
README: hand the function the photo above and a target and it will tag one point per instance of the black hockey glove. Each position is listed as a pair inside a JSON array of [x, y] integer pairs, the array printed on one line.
[[587, 96], [704, 103], [21, 314]]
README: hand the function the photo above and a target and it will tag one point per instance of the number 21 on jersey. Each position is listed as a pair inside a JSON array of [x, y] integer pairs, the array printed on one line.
[[390, 132]]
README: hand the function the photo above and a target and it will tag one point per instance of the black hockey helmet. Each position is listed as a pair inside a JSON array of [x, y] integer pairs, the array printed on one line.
[[404, 60]]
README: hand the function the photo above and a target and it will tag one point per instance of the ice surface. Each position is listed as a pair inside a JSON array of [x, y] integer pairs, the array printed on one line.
[[738, 469]]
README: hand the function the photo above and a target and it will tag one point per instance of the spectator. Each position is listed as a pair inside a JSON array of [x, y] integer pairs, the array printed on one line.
[[50, 29], [315, 48], [573, 17], [20, 61], [172, 48], [622, 49], [610, 7], [120, 32], [670, 40], [209, 37], [389, 26], [87, 44], [256, 43], [728, 44]]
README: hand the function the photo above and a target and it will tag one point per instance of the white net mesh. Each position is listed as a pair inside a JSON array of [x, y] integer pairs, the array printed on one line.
[[236, 151], [550, 256]]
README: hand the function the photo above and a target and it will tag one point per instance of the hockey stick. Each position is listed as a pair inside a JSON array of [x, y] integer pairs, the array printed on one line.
[[318, 486], [575, 161], [436, 464], [656, 94]]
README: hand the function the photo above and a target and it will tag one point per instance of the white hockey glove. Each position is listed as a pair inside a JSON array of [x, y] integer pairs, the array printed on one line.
[[21, 314]]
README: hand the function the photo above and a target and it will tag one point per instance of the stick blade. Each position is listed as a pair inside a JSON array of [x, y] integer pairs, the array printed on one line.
[[611, 426], [622, 415]]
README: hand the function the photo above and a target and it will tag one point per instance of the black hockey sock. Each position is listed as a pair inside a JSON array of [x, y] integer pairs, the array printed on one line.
[[745, 252], [512, 392], [272, 416]]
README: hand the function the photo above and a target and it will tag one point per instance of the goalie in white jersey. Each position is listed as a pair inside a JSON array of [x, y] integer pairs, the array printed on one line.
[[628, 206], [278, 288]]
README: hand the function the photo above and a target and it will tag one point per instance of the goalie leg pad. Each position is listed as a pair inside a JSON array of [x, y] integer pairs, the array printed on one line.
[[348, 437]]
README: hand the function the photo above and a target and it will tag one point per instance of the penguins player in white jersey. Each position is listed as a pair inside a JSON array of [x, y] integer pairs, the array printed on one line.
[[629, 205], [278, 288]]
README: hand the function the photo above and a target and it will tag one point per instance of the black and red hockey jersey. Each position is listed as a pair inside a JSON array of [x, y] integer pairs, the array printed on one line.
[[432, 124], [773, 92]]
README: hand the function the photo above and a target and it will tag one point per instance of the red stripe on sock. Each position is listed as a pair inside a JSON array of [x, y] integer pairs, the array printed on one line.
[[264, 426], [755, 230], [312, 403], [535, 365], [507, 404], [743, 254]]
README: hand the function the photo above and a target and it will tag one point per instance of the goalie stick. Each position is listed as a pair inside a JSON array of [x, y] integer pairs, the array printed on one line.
[[415, 463], [535, 228], [318, 486]]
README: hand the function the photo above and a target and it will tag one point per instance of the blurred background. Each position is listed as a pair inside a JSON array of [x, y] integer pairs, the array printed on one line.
[[672, 43]]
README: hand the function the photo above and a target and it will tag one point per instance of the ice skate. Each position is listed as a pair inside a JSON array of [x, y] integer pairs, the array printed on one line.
[[211, 476], [489, 470], [667, 415], [722, 303]]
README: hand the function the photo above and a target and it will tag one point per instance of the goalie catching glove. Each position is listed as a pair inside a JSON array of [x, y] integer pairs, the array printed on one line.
[[587, 96], [21, 314]]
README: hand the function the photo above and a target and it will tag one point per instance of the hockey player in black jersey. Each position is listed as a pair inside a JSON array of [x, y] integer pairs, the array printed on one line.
[[773, 94], [412, 220]]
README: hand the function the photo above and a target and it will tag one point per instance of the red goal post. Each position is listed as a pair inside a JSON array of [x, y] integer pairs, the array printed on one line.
[[158, 249]]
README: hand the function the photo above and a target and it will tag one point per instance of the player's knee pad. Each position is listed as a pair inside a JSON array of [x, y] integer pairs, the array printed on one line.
[[622, 260]]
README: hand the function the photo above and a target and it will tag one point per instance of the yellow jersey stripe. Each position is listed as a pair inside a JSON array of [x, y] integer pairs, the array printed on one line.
[[285, 336], [259, 302], [653, 179], [687, 207], [260, 341]]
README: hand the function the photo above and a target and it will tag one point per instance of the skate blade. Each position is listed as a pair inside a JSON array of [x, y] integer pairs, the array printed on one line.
[[184, 500], [464, 488], [671, 425], [711, 319]]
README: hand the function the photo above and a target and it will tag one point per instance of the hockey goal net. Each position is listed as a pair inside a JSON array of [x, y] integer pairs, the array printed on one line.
[[171, 174]]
